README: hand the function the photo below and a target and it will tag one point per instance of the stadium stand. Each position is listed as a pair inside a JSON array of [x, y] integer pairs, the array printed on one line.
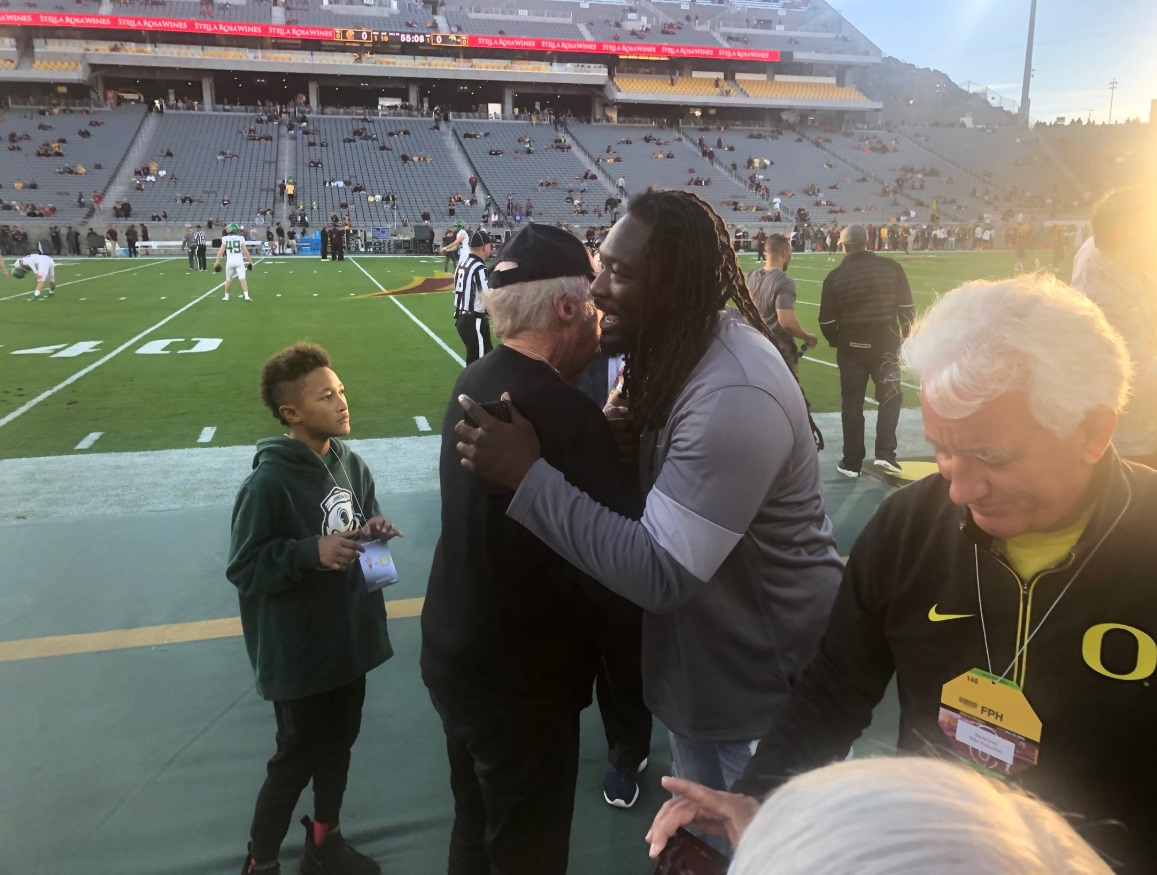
[[797, 167], [785, 90], [694, 86], [200, 168], [559, 29], [916, 175], [520, 176], [419, 186], [1103, 157], [636, 162], [98, 155]]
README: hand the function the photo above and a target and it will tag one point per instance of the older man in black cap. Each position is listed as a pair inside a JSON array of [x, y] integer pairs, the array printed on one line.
[[862, 301], [469, 284], [510, 630]]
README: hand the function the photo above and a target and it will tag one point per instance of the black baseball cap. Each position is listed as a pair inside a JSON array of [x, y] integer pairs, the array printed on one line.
[[542, 252], [479, 239]]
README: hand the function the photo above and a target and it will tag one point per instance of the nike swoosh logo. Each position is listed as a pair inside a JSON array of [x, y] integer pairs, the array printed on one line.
[[937, 617]]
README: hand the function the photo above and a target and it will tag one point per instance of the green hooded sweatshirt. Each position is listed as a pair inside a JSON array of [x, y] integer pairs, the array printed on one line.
[[307, 630]]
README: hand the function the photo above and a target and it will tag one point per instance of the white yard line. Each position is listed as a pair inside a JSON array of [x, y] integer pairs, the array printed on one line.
[[87, 278], [207, 434], [91, 439], [422, 423], [461, 361], [48, 393]]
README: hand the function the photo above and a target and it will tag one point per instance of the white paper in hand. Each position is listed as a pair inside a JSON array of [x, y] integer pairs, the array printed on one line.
[[378, 565]]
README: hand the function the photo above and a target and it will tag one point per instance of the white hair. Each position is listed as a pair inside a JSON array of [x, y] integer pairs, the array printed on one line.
[[908, 816], [528, 306], [1030, 333]]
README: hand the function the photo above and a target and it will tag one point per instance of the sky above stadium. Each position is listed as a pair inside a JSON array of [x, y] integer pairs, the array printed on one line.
[[1080, 47]]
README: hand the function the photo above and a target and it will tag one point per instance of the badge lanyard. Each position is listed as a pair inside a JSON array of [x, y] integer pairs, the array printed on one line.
[[1076, 574], [377, 562], [987, 718]]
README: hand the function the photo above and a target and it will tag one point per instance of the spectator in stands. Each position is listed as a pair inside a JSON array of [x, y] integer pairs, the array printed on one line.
[[1115, 270], [721, 647], [1021, 382], [98, 203]]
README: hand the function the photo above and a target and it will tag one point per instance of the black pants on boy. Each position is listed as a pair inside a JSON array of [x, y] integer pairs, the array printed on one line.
[[513, 773], [314, 738], [857, 365], [619, 689]]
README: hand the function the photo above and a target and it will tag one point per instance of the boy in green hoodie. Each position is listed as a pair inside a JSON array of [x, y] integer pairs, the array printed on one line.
[[312, 626]]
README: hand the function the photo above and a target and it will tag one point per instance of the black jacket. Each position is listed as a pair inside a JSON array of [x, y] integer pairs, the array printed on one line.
[[862, 300], [1089, 672]]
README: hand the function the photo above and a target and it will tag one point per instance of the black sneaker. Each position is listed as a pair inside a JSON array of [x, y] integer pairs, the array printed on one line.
[[621, 786], [335, 856], [252, 867], [847, 470], [889, 465]]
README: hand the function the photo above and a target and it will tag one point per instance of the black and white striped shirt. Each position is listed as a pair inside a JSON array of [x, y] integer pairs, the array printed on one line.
[[469, 283], [199, 238]]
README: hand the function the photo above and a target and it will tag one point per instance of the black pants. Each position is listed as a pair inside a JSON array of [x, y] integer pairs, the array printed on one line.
[[337, 253], [619, 689], [513, 777], [882, 366], [201, 263], [132, 244], [324, 245], [192, 258], [474, 329], [314, 738]]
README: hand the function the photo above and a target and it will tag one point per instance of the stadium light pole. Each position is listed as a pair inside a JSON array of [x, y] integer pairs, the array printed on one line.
[[1112, 94], [1024, 88]]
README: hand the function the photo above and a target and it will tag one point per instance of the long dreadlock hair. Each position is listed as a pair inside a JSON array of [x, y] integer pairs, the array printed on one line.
[[692, 272]]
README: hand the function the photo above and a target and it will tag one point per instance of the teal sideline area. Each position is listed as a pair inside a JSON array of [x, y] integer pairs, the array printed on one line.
[[148, 760]]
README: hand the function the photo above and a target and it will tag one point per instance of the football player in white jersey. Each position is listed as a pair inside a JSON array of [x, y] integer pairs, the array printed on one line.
[[461, 242], [44, 268], [237, 257]]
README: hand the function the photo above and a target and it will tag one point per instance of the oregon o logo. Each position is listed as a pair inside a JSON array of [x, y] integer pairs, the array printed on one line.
[[1093, 643]]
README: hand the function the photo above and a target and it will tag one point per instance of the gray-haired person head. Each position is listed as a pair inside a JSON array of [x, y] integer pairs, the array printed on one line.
[[1021, 381], [908, 816], [541, 283]]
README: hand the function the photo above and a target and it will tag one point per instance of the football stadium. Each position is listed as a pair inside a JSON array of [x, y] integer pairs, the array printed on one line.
[[361, 154]]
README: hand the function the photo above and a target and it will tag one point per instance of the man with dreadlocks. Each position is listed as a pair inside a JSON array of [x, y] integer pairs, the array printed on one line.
[[734, 562]]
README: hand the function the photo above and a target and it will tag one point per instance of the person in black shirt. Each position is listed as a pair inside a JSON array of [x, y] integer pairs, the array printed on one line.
[[510, 630], [469, 284], [861, 303]]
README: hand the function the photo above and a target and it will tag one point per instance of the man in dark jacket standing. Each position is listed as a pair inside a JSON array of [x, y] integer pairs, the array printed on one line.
[[862, 301]]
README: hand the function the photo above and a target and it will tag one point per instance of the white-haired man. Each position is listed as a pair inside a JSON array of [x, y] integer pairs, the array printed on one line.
[[1012, 596], [510, 630]]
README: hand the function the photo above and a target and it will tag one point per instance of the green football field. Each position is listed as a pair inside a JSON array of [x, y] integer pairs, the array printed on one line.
[[144, 354]]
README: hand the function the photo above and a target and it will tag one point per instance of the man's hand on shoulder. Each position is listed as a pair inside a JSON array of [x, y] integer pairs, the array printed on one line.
[[497, 451]]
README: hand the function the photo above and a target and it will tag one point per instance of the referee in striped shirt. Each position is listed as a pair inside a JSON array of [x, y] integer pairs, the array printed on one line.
[[199, 240], [469, 283]]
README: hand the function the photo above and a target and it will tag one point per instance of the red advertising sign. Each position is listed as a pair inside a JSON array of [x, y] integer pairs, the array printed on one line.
[[290, 31], [172, 25], [650, 50]]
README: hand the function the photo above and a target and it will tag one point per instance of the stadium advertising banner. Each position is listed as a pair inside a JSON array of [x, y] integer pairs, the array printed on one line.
[[172, 25], [288, 31], [650, 50]]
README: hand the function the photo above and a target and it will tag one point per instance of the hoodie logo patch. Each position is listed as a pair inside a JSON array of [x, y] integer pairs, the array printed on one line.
[[337, 512]]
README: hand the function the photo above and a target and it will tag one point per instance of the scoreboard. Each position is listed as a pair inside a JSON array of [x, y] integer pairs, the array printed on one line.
[[393, 37]]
